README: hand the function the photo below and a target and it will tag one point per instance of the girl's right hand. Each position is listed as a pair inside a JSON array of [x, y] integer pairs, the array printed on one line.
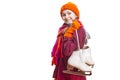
[[69, 32]]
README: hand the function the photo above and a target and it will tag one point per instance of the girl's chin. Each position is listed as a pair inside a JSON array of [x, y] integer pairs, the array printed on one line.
[[69, 23]]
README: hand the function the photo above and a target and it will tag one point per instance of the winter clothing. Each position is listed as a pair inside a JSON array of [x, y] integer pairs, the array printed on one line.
[[66, 43], [70, 6], [62, 50], [75, 25]]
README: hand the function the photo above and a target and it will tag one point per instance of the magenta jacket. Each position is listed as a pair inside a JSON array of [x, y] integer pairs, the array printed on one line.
[[65, 49]]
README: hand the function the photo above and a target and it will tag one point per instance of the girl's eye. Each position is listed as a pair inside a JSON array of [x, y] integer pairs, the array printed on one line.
[[69, 13], [63, 14]]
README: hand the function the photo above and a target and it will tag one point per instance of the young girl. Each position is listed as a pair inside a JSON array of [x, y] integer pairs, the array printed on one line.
[[66, 41]]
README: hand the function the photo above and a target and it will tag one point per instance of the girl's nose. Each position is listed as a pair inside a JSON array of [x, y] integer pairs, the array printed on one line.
[[66, 16]]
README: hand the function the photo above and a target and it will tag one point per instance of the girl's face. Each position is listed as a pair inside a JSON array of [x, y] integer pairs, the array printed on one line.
[[68, 16]]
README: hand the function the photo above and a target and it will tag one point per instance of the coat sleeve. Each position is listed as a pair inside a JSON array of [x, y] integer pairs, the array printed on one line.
[[70, 44]]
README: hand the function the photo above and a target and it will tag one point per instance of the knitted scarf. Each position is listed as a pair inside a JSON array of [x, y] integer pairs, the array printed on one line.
[[57, 49]]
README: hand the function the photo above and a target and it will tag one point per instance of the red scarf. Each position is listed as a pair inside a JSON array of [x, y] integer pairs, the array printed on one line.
[[57, 49]]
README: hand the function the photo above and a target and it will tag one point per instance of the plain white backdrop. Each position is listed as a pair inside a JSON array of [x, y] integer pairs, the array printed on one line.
[[28, 30]]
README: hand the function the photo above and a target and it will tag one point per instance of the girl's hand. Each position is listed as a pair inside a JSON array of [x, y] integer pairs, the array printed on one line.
[[75, 24], [69, 32]]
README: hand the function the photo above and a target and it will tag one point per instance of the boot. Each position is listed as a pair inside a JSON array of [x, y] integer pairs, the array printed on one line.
[[75, 61], [86, 56]]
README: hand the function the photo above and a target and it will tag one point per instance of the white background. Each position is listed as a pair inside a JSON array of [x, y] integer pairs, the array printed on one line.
[[28, 30]]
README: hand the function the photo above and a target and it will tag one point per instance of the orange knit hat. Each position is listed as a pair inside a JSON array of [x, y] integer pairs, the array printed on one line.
[[70, 6]]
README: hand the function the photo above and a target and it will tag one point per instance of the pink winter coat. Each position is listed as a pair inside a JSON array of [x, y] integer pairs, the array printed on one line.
[[67, 46]]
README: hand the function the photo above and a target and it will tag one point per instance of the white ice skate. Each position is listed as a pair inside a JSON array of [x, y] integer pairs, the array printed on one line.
[[86, 56]]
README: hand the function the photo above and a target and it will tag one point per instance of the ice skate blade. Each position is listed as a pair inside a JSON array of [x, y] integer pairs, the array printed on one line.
[[88, 73]]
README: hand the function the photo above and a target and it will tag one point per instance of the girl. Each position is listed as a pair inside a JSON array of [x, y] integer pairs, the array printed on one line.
[[66, 41]]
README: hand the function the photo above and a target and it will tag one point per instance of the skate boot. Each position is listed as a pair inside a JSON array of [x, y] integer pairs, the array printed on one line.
[[86, 56], [75, 61]]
